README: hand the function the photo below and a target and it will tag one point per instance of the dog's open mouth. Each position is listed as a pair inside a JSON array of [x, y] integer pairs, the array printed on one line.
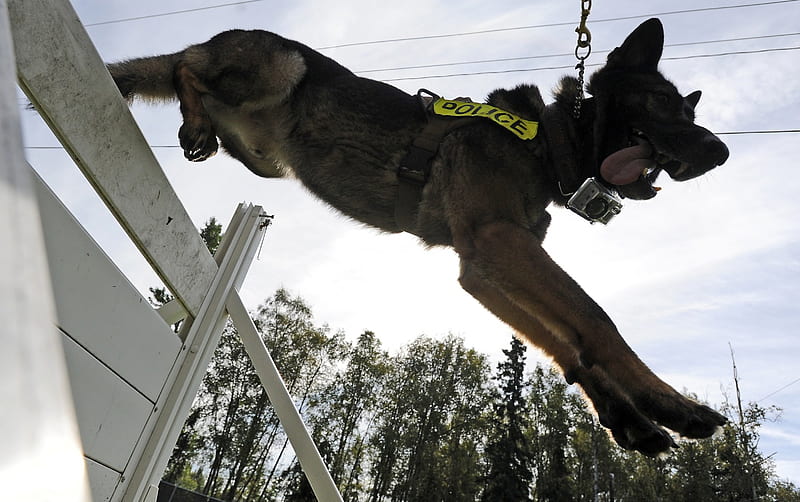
[[637, 166]]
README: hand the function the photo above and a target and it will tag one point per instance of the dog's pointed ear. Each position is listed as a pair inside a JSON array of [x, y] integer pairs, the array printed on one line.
[[642, 49], [693, 98]]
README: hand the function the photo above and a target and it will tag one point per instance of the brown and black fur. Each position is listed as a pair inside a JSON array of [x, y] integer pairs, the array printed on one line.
[[283, 109]]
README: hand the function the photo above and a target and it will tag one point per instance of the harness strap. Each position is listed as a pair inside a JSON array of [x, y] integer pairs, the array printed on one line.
[[416, 165], [563, 167]]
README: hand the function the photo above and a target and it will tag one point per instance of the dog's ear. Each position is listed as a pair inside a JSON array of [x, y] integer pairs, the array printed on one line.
[[642, 49], [693, 98]]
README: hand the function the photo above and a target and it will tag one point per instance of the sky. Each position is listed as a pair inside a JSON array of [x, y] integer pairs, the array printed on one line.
[[707, 266]]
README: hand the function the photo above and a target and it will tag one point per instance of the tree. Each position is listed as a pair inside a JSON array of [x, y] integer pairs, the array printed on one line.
[[239, 444], [508, 452], [550, 432], [344, 412], [429, 433], [212, 234], [431, 424], [596, 459]]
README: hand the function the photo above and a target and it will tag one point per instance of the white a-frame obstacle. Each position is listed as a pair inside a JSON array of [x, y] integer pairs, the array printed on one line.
[[132, 379]]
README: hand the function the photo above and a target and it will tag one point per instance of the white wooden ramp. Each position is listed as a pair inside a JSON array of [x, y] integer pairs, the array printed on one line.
[[38, 432], [133, 380]]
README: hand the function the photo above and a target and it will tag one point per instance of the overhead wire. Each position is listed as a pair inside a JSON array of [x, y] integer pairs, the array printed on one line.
[[516, 28], [448, 35], [694, 56], [780, 389], [171, 13], [724, 133], [552, 25], [570, 54], [563, 67]]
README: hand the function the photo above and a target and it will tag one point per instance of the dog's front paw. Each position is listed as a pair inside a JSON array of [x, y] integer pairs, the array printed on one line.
[[630, 427], [680, 414], [633, 431], [199, 142]]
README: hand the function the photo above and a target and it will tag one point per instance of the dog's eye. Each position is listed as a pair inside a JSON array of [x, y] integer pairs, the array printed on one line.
[[661, 99]]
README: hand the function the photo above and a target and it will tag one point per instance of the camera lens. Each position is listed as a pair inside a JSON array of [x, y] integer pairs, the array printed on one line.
[[596, 208]]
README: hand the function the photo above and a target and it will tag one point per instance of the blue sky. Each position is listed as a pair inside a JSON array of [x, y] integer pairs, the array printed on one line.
[[706, 263]]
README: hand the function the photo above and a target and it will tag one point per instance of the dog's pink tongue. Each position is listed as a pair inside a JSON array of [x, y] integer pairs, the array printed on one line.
[[626, 165]]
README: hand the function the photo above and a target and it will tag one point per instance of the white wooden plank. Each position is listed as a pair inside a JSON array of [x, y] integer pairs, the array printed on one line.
[[99, 308], [102, 481], [38, 434], [61, 72], [111, 414]]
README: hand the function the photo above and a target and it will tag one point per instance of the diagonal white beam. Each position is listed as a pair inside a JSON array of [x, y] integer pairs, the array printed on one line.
[[310, 460]]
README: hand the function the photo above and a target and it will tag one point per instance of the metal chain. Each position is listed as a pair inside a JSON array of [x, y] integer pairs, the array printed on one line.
[[582, 51]]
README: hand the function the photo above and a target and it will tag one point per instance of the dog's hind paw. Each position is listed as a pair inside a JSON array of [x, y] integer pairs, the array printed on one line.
[[198, 142]]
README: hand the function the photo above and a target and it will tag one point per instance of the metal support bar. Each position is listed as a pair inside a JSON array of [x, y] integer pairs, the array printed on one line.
[[310, 460], [202, 336], [40, 449]]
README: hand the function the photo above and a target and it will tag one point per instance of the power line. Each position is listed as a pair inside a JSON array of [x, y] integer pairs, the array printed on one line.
[[563, 67], [448, 35], [782, 388], [59, 147], [545, 56], [771, 131], [742, 133], [731, 53], [552, 25], [172, 13]]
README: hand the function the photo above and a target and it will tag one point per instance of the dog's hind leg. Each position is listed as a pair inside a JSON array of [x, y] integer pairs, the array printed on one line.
[[221, 84], [507, 270]]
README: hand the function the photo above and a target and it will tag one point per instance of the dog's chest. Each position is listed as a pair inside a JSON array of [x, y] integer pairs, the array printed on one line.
[[256, 137]]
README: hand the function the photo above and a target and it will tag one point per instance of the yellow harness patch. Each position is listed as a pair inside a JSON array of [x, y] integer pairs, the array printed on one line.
[[523, 129]]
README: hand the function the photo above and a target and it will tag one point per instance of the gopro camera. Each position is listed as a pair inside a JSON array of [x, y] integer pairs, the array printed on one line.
[[595, 202]]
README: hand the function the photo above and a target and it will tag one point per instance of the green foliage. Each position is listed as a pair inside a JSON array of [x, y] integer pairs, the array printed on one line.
[[508, 453], [431, 424], [212, 234], [429, 427]]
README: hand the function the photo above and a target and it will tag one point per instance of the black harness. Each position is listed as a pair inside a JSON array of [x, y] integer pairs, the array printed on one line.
[[442, 116], [415, 167]]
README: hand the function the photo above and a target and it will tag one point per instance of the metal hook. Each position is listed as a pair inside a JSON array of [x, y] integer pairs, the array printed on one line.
[[584, 35]]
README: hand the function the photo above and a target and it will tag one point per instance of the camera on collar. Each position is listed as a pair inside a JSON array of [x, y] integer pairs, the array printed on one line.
[[595, 202]]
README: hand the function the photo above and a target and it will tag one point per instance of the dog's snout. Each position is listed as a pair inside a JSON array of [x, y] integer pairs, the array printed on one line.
[[716, 149]]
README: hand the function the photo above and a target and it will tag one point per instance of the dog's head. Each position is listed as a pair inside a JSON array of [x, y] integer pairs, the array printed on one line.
[[643, 125]]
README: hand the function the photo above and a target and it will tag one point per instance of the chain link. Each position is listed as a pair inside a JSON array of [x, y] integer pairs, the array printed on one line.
[[583, 49]]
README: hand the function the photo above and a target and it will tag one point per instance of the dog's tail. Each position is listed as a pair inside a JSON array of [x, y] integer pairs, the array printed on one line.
[[149, 79]]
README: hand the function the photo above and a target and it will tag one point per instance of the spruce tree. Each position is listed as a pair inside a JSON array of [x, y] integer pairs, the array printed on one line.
[[509, 474]]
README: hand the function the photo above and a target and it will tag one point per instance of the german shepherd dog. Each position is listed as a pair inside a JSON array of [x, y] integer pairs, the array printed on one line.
[[283, 109]]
